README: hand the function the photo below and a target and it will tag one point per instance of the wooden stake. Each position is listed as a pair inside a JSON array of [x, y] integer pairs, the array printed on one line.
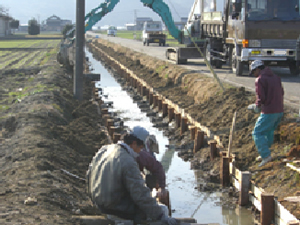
[[225, 178], [231, 133], [267, 212], [244, 188]]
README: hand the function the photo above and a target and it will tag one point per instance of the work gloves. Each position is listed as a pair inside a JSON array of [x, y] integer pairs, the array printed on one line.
[[254, 108], [168, 220]]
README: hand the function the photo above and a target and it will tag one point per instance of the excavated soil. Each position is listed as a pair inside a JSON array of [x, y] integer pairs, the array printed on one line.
[[205, 101], [47, 139]]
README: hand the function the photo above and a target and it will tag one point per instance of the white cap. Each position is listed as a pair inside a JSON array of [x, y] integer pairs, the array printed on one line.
[[255, 64], [140, 133], [151, 144]]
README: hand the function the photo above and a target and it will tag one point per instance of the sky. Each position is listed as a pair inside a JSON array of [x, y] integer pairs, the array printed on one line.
[[123, 13]]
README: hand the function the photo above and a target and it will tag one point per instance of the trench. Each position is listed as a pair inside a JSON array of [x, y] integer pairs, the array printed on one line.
[[186, 199]]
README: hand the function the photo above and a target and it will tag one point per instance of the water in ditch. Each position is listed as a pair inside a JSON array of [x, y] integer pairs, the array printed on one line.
[[186, 200]]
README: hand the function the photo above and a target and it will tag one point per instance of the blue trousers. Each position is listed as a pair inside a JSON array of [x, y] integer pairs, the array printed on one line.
[[263, 133]]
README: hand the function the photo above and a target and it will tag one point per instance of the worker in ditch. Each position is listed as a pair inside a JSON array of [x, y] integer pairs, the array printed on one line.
[[153, 170], [269, 103], [116, 186]]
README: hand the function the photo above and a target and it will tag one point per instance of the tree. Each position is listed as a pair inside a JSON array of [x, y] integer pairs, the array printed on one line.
[[14, 24], [3, 10], [33, 27], [68, 31]]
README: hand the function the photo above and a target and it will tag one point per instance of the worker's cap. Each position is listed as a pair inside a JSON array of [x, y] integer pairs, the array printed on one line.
[[254, 65], [151, 144], [140, 133]]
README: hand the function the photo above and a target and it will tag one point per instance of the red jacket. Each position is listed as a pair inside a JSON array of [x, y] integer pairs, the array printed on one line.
[[269, 92], [146, 160]]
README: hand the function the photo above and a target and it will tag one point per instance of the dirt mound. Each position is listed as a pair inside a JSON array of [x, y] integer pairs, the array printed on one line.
[[47, 138], [202, 98]]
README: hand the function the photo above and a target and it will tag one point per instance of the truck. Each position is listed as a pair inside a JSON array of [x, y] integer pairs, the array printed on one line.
[[153, 33], [112, 31], [242, 31]]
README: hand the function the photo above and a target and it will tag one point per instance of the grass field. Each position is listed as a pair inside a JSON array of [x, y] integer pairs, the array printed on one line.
[[18, 57], [138, 35], [26, 43]]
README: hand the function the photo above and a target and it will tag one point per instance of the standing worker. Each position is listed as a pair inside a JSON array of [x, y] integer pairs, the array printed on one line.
[[116, 186], [269, 101]]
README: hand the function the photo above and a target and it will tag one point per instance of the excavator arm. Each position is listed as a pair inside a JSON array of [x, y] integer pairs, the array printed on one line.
[[157, 6], [94, 16]]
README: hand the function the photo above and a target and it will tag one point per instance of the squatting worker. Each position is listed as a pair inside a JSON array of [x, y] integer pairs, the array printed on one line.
[[269, 101], [155, 174], [115, 184]]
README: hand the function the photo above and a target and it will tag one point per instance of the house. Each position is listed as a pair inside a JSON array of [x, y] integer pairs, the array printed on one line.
[[130, 26], [55, 23], [140, 22], [4, 25]]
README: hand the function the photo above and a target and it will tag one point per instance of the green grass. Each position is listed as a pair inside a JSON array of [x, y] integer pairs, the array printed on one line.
[[19, 43], [129, 34], [28, 43], [42, 35]]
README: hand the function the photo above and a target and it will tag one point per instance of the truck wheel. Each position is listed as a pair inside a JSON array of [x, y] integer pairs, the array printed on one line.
[[236, 64], [219, 64], [294, 68]]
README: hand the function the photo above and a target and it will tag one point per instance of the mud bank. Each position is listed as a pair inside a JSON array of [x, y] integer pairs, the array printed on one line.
[[47, 140], [213, 108]]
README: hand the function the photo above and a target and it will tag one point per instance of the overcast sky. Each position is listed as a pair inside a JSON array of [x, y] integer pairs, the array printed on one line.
[[24, 10]]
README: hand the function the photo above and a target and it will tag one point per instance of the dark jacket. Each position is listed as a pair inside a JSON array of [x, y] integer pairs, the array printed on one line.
[[147, 161], [269, 92]]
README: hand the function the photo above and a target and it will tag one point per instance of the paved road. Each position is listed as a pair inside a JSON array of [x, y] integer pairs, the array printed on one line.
[[291, 84]]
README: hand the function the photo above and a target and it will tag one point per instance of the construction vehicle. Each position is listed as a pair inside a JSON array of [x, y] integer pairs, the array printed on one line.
[[248, 30], [236, 32], [153, 33], [112, 31]]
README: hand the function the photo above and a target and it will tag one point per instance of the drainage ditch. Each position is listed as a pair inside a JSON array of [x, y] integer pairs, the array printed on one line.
[[190, 193]]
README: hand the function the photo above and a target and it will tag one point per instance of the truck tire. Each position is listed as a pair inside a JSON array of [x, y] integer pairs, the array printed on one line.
[[236, 64], [219, 64], [294, 68], [208, 55]]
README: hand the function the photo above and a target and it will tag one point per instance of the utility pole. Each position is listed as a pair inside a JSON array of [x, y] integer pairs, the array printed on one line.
[[134, 35], [80, 29]]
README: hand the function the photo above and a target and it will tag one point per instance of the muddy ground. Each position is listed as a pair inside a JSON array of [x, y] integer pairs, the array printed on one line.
[[214, 109]]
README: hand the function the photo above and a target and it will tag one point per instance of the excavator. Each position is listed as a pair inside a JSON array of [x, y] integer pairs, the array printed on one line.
[[179, 55]]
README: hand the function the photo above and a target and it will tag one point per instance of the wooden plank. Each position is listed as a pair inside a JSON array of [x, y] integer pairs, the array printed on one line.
[[293, 167], [283, 213], [255, 202], [256, 191]]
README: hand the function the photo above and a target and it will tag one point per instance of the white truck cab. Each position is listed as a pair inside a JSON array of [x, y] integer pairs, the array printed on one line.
[[153, 33], [112, 31]]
